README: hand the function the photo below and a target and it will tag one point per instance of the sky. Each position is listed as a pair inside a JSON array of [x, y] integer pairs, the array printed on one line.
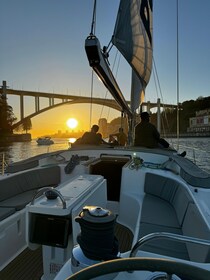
[[42, 49]]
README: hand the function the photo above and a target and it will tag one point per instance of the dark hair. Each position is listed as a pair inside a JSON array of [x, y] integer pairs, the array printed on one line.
[[95, 128], [145, 115]]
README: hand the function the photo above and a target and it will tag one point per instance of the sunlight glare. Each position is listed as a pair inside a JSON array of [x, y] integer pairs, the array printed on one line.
[[72, 123]]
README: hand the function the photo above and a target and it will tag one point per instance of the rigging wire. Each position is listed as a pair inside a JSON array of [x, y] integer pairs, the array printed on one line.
[[93, 24], [159, 93], [93, 27], [117, 69], [91, 99], [106, 51], [157, 81], [177, 80]]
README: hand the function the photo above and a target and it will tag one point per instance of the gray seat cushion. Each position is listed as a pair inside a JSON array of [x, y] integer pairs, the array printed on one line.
[[33, 179], [158, 215], [158, 212], [18, 201], [6, 212]]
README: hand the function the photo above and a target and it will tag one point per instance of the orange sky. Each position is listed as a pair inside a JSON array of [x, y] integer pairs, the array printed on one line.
[[53, 120]]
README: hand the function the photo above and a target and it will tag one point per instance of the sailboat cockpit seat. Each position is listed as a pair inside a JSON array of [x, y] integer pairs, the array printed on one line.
[[110, 167], [18, 190], [6, 212], [169, 207]]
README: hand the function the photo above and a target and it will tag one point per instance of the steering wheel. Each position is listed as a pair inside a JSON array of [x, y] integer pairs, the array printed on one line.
[[149, 264]]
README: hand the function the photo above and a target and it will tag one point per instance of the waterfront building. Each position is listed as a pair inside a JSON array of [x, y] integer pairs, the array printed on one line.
[[200, 123], [102, 123]]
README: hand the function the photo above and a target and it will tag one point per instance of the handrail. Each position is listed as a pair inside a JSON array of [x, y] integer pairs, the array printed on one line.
[[166, 235], [42, 190]]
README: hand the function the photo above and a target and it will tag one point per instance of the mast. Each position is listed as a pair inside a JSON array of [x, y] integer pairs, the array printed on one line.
[[177, 57]]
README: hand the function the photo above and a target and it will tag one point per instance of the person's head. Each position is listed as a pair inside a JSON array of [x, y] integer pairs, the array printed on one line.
[[95, 128], [145, 116]]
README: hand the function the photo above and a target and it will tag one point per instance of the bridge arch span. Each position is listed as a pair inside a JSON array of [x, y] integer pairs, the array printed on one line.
[[106, 103]]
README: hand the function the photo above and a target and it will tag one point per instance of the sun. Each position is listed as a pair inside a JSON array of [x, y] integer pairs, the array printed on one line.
[[72, 123]]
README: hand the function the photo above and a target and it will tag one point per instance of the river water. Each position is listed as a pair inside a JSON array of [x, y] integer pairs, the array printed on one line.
[[197, 149]]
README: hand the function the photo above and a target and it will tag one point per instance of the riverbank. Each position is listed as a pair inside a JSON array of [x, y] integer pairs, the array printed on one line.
[[186, 135], [26, 137]]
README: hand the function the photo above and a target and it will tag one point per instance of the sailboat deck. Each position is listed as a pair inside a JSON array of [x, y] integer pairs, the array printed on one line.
[[28, 265], [124, 236]]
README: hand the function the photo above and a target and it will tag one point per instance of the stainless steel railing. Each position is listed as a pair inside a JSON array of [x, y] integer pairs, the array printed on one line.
[[166, 235]]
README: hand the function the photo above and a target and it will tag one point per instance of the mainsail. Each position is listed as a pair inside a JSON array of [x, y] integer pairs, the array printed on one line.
[[133, 38]]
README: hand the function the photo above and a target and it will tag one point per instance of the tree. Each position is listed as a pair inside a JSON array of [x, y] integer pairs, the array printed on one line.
[[27, 125], [7, 117]]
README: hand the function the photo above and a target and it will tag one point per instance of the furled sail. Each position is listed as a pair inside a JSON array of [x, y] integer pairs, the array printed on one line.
[[133, 38]]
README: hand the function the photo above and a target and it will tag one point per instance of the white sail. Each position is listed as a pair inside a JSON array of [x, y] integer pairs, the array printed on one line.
[[133, 38]]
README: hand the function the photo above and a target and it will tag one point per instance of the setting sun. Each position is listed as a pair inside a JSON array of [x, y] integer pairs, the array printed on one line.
[[72, 123]]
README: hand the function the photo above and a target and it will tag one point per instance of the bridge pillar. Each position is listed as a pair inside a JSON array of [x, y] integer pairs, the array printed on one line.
[[148, 107], [37, 104], [21, 107], [4, 90], [51, 101]]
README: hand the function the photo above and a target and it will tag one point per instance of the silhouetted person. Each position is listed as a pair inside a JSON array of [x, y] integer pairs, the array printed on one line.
[[147, 135], [121, 137], [91, 137], [101, 140]]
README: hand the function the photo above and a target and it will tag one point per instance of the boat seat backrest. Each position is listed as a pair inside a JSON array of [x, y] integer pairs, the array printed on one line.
[[194, 225], [169, 190], [160, 186], [189, 219], [24, 165], [26, 181], [181, 202]]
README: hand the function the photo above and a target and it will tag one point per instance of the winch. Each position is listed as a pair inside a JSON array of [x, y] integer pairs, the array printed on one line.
[[96, 241]]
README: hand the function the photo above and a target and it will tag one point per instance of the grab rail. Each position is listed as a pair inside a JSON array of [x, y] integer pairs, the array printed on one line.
[[42, 190], [166, 235]]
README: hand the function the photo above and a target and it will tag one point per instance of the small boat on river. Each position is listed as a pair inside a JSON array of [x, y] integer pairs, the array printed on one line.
[[45, 141], [109, 211]]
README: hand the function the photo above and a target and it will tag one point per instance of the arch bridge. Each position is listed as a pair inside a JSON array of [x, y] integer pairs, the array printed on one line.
[[62, 99]]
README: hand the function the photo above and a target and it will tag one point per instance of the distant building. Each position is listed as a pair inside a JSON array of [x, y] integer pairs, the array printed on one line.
[[102, 123], [106, 128], [200, 123]]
